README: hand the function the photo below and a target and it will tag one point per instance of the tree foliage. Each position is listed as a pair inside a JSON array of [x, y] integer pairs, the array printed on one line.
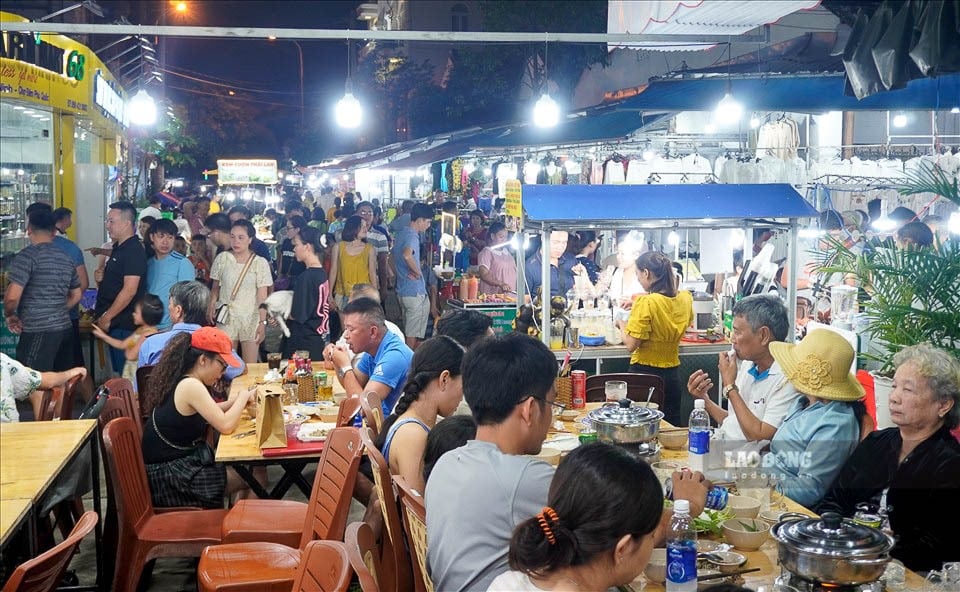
[[391, 84]]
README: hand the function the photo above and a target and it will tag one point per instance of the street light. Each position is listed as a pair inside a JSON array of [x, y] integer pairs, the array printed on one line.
[[142, 109], [349, 112]]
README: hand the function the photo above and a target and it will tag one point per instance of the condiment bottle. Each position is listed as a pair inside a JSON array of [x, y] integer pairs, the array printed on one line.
[[473, 288]]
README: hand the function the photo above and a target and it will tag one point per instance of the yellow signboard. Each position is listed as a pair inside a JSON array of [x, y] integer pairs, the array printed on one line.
[[513, 199]]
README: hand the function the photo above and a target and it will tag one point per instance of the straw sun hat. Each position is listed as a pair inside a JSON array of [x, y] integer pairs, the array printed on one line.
[[819, 366]]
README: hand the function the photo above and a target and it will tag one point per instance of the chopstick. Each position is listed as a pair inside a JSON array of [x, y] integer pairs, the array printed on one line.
[[244, 434], [726, 575]]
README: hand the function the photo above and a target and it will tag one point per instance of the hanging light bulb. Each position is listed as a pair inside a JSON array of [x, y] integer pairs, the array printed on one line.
[[754, 122], [955, 110], [349, 112], [142, 109], [546, 113], [883, 224], [487, 171], [729, 110], [899, 120], [673, 239], [953, 225]]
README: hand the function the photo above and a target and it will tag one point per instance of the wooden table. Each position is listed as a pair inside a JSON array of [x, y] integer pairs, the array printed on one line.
[[765, 557], [32, 455], [242, 453]]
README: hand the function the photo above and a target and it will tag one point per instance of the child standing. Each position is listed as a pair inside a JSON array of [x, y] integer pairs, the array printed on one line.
[[147, 314]]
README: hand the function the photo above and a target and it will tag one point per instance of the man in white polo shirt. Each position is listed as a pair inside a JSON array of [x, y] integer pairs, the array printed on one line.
[[758, 394]]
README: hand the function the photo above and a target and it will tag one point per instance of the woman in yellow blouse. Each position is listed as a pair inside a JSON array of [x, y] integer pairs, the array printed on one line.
[[354, 261], [657, 321]]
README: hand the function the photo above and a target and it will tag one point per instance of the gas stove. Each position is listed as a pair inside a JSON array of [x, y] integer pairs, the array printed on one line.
[[804, 585]]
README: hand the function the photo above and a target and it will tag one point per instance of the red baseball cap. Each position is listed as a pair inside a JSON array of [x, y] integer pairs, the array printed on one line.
[[213, 340]]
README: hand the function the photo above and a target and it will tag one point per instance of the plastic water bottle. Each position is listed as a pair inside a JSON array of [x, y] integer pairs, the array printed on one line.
[[681, 550], [699, 426]]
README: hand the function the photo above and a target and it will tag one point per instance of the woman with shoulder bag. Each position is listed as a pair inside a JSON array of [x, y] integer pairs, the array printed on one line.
[[180, 467], [354, 261], [241, 281]]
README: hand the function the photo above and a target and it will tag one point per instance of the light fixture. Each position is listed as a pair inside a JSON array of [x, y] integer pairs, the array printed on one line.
[[729, 110], [349, 112], [953, 224], [736, 238], [754, 122], [899, 120], [955, 110], [142, 109], [487, 172], [673, 239], [469, 168], [546, 112], [883, 224]]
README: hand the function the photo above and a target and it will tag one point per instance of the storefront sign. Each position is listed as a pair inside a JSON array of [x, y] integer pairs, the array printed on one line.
[[108, 99], [247, 172], [513, 199], [32, 49]]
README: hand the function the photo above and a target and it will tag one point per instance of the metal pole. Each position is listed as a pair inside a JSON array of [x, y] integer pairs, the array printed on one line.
[[545, 286], [792, 284], [423, 36], [300, 56]]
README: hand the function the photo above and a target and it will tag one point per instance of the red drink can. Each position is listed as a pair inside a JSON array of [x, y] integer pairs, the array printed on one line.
[[578, 380]]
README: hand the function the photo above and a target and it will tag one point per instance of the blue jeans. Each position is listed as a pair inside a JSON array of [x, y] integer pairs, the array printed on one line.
[[117, 356]]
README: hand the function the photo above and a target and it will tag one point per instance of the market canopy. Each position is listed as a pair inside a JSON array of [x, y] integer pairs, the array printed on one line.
[[796, 92], [590, 128], [702, 205]]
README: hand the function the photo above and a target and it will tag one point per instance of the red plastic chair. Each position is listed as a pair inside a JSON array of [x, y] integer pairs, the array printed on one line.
[[145, 534], [415, 525], [348, 409], [372, 406], [122, 389], [268, 566], [43, 572], [364, 556], [57, 403], [638, 385], [325, 567], [397, 571]]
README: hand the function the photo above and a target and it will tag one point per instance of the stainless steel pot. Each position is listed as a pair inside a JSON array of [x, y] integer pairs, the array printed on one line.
[[832, 550], [622, 424]]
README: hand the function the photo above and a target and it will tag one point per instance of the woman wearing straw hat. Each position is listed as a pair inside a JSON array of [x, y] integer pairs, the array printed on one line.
[[823, 426]]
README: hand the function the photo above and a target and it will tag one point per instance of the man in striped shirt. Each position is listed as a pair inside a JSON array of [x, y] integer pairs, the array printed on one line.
[[44, 286]]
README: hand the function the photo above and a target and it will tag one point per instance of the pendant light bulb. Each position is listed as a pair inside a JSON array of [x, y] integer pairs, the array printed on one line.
[[142, 109], [349, 112], [546, 113], [673, 239], [899, 120], [729, 110]]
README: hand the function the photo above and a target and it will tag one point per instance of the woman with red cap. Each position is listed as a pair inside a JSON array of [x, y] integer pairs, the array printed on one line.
[[180, 465]]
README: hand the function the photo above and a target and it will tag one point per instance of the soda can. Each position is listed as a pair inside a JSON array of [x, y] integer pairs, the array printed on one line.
[[578, 382], [717, 496], [587, 435]]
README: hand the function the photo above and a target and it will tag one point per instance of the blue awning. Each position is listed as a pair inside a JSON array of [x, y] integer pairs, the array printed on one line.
[[597, 126], [708, 205], [805, 94]]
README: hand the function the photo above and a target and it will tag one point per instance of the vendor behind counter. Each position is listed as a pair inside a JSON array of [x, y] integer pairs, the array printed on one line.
[[563, 267]]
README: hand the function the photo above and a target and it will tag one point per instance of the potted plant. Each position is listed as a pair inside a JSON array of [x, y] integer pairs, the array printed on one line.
[[909, 295]]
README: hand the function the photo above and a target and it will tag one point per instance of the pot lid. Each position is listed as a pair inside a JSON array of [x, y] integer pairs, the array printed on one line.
[[832, 535], [624, 413]]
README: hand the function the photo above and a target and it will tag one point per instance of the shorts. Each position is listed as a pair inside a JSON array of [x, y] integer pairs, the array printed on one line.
[[416, 313], [241, 326], [47, 351]]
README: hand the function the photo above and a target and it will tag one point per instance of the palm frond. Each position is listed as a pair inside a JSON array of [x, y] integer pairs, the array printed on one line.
[[930, 178]]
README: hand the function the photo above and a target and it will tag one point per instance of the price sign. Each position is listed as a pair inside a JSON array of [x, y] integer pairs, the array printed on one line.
[[513, 199]]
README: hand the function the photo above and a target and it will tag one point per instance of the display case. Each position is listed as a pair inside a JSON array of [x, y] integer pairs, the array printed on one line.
[[20, 186]]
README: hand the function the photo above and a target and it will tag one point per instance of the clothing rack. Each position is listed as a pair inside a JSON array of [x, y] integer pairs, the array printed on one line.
[[855, 182]]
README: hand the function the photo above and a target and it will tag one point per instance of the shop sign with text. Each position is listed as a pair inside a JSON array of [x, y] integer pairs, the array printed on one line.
[[247, 171]]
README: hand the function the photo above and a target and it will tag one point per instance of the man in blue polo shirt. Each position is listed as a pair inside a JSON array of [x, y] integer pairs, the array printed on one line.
[[187, 307], [167, 266], [383, 365]]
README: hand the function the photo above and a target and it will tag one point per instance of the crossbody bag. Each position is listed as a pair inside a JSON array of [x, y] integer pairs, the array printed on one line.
[[222, 314]]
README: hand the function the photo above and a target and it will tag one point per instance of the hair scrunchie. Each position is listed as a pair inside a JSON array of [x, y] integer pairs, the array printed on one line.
[[546, 516]]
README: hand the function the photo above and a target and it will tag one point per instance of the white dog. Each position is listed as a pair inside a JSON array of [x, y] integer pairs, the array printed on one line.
[[278, 307]]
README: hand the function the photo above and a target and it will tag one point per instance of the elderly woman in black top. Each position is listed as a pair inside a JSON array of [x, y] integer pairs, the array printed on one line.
[[911, 473]]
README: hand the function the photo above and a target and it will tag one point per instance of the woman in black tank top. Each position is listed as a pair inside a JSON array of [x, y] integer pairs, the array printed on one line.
[[178, 408]]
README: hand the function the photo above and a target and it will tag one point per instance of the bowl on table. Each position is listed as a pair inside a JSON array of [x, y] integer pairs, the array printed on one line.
[[745, 534], [569, 415], [656, 569], [549, 455], [726, 561], [743, 506], [673, 439], [771, 517]]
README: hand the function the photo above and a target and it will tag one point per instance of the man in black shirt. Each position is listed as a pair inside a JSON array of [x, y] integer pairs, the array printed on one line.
[[123, 279]]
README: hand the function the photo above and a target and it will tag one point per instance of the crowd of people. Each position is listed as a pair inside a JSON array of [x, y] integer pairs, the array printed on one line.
[[466, 409]]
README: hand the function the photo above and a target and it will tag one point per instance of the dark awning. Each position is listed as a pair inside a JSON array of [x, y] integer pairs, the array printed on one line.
[[707, 205], [592, 127], [801, 93]]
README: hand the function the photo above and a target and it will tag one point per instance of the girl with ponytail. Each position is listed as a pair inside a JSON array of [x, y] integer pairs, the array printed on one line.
[[597, 530], [434, 387], [658, 319]]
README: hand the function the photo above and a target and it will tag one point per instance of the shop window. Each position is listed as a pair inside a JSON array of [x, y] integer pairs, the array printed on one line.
[[460, 18], [26, 168]]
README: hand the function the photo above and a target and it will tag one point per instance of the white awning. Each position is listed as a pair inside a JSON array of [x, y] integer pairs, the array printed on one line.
[[695, 17]]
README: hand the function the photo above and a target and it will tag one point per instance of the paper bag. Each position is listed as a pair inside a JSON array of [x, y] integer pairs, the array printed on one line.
[[271, 432]]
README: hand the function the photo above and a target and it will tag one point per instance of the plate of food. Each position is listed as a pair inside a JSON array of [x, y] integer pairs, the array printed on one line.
[[316, 431]]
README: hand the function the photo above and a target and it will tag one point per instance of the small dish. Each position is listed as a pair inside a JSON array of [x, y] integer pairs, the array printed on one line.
[[569, 415], [707, 546], [726, 561], [673, 439], [745, 534], [743, 506], [592, 341]]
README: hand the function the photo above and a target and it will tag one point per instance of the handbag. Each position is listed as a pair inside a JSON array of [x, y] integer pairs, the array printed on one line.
[[222, 314], [201, 449]]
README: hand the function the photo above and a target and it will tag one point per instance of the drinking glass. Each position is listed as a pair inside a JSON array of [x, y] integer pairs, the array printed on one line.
[[290, 395], [894, 576], [273, 361], [615, 390]]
